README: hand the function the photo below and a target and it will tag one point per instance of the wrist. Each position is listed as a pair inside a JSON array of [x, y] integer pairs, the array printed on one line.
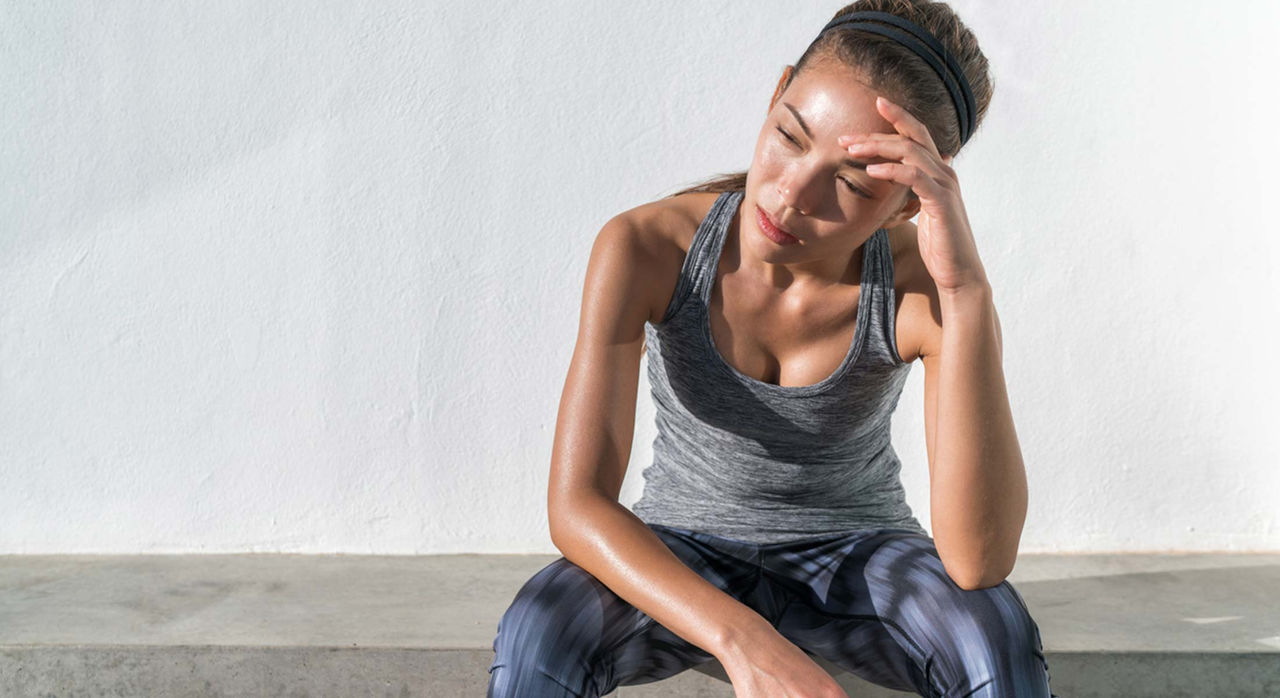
[[965, 298], [739, 635], [978, 288]]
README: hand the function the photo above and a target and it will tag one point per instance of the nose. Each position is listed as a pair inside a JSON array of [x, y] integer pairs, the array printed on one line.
[[787, 192]]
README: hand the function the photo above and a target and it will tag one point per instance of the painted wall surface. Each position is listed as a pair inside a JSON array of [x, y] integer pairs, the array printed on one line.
[[306, 277]]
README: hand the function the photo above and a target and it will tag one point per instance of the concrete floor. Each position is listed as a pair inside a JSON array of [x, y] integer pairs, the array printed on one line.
[[343, 625]]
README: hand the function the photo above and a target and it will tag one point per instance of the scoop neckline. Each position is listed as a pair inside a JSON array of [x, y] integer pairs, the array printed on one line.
[[855, 344]]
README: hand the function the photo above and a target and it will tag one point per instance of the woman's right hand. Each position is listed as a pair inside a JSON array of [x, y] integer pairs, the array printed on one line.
[[771, 666]]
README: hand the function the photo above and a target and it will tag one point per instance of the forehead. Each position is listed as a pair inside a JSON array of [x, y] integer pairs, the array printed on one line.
[[834, 100]]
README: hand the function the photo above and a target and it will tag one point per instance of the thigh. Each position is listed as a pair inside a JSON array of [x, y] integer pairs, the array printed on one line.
[[830, 611], [881, 604], [567, 625]]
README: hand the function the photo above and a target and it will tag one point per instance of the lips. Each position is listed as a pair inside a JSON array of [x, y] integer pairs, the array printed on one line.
[[768, 230], [773, 222]]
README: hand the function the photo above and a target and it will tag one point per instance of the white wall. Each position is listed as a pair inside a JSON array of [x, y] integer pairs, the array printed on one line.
[[306, 277]]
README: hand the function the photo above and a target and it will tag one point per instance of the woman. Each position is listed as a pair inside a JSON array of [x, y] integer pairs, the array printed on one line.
[[773, 527]]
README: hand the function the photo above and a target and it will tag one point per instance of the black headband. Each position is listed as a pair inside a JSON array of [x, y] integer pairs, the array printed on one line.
[[962, 96]]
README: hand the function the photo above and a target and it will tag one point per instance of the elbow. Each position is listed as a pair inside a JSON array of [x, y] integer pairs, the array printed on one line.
[[568, 519], [973, 580], [561, 523], [974, 583], [978, 571], [981, 565]]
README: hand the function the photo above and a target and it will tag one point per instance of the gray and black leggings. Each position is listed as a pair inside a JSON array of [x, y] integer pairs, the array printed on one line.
[[876, 602]]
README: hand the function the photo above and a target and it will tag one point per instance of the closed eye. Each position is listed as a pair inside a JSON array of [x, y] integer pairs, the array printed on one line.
[[787, 135], [852, 188]]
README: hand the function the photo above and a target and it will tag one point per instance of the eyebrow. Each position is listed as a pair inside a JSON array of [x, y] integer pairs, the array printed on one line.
[[856, 164]]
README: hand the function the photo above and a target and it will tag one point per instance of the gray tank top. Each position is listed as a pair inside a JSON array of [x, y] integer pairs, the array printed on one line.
[[749, 460]]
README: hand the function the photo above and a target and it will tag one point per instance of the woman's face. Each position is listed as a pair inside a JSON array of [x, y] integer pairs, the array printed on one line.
[[805, 182]]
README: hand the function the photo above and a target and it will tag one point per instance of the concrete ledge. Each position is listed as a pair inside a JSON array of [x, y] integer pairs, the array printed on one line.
[[343, 625]]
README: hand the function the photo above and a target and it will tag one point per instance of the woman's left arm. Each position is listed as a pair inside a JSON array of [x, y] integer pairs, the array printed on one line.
[[977, 481]]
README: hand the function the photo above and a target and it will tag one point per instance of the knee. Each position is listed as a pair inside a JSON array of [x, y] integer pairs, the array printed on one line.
[[549, 635], [1002, 651], [996, 616], [558, 610], [1006, 619], [973, 638]]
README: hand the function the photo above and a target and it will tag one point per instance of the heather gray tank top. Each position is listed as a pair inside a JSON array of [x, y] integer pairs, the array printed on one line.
[[749, 460]]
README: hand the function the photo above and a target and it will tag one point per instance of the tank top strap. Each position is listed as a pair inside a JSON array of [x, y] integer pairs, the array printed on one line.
[[881, 340], [699, 267]]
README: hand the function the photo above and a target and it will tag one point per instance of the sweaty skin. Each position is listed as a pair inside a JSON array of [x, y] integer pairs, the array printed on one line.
[[782, 314]]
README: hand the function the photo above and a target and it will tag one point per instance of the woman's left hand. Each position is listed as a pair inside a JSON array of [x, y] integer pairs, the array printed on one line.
[[946, 241]]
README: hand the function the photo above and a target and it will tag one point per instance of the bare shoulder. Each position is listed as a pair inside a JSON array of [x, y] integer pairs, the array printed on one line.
[[664, 230], [918, 323]]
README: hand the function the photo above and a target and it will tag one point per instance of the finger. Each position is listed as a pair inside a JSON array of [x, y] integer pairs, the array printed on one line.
[[921, 182], [908, 152], [907, 124]]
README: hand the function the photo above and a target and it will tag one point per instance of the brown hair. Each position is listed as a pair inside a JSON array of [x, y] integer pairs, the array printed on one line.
[[896, 72]]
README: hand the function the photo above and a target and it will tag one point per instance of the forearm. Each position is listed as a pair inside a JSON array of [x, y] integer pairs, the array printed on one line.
[[979, 486], [617, 548]]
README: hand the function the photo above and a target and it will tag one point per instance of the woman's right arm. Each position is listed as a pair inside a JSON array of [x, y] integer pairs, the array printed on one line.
[[630, 275], [594, 429]]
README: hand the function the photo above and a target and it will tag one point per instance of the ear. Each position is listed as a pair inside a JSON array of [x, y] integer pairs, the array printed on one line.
[[910, 207], [782, 85]]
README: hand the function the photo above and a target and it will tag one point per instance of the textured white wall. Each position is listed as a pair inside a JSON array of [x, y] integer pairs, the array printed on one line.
[[306, 278]]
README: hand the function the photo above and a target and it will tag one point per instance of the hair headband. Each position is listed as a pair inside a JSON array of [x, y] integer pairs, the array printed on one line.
[[962, 96]]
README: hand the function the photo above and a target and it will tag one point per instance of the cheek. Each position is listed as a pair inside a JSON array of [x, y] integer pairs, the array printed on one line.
[[769, 157]]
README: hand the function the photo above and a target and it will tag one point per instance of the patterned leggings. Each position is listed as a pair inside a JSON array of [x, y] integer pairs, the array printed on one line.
[[876, 602]]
